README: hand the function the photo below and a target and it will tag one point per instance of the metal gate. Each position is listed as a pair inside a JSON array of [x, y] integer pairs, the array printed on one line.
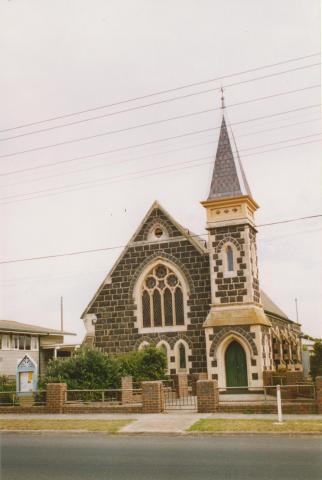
[[178, 399]]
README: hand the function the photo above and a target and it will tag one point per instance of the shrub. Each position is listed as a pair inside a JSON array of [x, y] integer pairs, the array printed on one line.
[[316, 360], [91, 369], [87, 369], [147, 364]]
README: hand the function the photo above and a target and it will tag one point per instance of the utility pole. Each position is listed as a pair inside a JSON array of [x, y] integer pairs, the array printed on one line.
[[297, 312], [61, 314]]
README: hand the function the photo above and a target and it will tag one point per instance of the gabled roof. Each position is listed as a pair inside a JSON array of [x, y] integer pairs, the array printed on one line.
[[196, 241], [17, 327], [228, 178], [271, 307]]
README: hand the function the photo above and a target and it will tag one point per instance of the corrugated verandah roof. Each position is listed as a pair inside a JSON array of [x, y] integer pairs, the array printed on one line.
[[13, 326]]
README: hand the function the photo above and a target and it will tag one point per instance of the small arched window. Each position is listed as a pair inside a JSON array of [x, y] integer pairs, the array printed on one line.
[[230, 258], [182, 357], [163, 347], [162, 298]]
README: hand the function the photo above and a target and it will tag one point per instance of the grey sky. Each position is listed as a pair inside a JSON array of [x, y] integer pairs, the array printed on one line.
[[64, 56]]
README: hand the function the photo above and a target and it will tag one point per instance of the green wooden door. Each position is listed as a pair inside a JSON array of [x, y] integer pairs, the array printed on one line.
[[236, 367]]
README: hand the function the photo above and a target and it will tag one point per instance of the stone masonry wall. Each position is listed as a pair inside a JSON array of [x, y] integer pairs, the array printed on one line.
[[244, 286], [114, 306]]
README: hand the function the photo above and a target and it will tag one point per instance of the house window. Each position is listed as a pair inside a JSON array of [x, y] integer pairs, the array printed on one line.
[[15, 342], [162, 298], [27, 342], [230, 259], [5, 342], [34, 343], [21, 342]]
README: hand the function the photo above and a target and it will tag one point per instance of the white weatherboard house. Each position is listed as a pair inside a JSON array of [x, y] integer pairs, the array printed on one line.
[[20, 339]]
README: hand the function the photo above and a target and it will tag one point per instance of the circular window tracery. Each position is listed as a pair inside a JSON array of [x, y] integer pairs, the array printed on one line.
[[158, 232], [162, 298]]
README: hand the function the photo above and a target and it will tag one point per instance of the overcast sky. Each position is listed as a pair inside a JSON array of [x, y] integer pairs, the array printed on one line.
[[63, 56]]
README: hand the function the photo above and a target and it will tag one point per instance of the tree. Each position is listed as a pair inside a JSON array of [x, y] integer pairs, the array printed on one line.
[[316, 360]]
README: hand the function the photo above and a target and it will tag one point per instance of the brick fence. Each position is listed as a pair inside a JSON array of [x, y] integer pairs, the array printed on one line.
[[152, 401], [207, 396]]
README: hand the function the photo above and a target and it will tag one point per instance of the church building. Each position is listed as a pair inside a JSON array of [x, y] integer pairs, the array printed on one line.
[[199, 301]]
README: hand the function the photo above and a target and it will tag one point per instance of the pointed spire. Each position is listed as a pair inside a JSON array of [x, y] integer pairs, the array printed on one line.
[[228, 178]]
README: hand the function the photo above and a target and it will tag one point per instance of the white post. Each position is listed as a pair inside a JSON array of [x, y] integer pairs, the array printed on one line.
[[279, 404]]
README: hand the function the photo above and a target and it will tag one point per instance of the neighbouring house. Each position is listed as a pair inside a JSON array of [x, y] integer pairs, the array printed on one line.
[[40, 343], [199, 301], [307, 352]]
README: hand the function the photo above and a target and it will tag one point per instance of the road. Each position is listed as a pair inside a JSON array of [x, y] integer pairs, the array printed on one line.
[[94, 456]]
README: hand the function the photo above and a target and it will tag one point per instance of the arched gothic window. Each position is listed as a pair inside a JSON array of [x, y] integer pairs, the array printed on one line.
[[182, 357], [162, 346], [162, 298], [230, 258]]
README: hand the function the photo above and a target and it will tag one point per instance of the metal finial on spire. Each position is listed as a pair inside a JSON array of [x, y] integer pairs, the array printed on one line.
[[222, 99]]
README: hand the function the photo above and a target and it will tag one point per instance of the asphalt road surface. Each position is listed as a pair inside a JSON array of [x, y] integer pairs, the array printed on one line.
[[95, 456]]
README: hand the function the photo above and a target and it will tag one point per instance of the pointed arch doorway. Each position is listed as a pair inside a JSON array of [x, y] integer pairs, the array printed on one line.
[[236, 365]]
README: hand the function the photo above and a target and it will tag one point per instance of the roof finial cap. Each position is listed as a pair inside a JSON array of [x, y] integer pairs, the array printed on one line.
[[222, 99]]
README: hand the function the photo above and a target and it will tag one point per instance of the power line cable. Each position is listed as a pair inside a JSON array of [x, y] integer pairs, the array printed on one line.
[[30, 278], [155, 168], [160, 92], [81, 252], [141, 157], [141, 125], [152, 142], [85, 120], [119, 178]]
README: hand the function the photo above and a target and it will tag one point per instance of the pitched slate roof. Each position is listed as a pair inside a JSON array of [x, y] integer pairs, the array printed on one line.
[[228, 178], [271, 307], [12, 326]]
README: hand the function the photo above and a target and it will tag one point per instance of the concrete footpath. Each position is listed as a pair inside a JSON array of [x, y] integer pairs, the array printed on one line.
[[175, 422]]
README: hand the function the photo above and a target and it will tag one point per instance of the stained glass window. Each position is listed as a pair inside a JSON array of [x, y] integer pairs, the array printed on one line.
[[146, 309], [162, 298]]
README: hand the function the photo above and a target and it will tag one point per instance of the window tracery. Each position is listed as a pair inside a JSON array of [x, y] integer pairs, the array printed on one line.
[[162, 298]]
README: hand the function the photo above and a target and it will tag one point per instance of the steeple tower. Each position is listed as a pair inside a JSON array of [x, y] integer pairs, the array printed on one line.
[[232, 240]]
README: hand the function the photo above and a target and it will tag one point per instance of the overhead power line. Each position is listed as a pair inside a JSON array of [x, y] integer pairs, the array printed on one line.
[[81, 252], [141, 125], [85, 120], [152, 142], [129, 176], [149, 155], [160, 92]]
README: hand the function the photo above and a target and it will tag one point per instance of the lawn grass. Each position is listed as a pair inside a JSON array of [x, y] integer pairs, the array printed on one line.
[[106, 426], [221, 425]]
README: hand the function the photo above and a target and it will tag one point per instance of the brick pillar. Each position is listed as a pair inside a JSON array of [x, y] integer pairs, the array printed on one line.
[[318, 384], [194, 378], [55, 397], [207, 396], [267, 378], [292, 378], [127, 390], [182, 385], [152, 397]]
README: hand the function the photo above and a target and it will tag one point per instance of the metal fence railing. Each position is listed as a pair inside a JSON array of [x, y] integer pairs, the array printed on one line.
[[106, 396], [12, 398], [304, 392], [178, 398]]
